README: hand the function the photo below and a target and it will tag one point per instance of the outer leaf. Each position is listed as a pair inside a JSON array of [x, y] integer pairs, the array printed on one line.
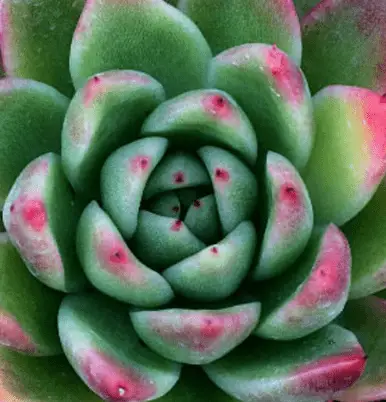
[[290, 218], [313, 293], [345, 43], [309, 369], [367, 319], [204, 117], [273, 92], [40, 216], [105, 114], [36, 39], [31, 117], [101, 345], [196, 336], [367, 237], [28, 309], [124, 177], [217, 271], [235, 22], [110, 265], [348, 160], [38, 379], [148, 35]]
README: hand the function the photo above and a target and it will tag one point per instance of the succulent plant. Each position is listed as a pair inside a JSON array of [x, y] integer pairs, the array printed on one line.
[[192, 198]]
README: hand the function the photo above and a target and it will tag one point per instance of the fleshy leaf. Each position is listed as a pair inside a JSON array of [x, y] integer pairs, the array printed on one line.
[[311, 293], [28, 309], [40, 215], [104, 115], [175, 171], [236, 22], [217, 271], [367, 237], [194, 386], [304, 6], [273, 92], [31, 118], [123, 179], [195, 336], [235, 186], [344, 42], [29, 379], [290, 218], [204, 117], [36, 40], [147, 35], [161, 241], [367, 319], [348, 160], [202, 219], [110, 265], [101, 345], [167, 204], [308, 369]]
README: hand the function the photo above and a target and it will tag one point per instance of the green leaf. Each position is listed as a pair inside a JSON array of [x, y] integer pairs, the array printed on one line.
[[101, 345], [202, 219], [195, 336], [36, 40], [311, 293], [147, 35], [217, 271], [40, 216], [308, 369], [32, 379], [161, 241], [272, 91], [367, 319], [104, 115], [177, 170], [235, 186], [344, 43], [367, 237], [236, 22], [28, 309], [111, 266], [303, 7], [31, 118], [166, 204], [194, 386], [348, 160], [123, 179], [204, 117], [290, 218]]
